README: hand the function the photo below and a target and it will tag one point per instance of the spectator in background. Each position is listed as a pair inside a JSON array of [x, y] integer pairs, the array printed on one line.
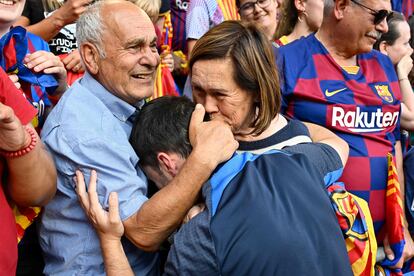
[[55, 22], [396, 44], [335, 79], [37, 69], [298, 18], [28, 175], [202, 15], [262, 13]]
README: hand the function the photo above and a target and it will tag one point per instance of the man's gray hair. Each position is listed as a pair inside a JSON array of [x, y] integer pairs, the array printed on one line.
[[90, 28]]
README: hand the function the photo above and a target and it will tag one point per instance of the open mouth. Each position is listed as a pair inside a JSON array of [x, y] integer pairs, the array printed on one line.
[[8, 2], [147, 76]]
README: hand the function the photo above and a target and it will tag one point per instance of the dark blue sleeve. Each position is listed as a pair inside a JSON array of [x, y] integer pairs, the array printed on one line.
[[325, 159], [193, 250]]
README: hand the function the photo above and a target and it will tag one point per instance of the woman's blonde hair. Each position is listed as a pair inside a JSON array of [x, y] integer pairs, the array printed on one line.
[[150, 7]]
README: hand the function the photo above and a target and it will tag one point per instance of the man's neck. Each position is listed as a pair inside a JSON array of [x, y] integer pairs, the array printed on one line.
[[336, 48]]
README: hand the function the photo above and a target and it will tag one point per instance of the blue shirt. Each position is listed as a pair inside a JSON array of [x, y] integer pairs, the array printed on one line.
[[89, 128]]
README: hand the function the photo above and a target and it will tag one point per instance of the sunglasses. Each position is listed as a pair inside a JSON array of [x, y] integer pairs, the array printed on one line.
[[378, 15]]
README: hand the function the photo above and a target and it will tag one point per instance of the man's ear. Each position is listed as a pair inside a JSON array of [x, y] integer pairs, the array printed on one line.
[[90, 57], [383, 47], [339, 8], [168, 163]]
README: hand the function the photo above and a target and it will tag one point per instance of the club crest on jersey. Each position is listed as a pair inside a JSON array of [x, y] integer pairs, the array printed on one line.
[[384, 93]]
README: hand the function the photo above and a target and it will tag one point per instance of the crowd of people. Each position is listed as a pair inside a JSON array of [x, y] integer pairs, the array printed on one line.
[[206, 137]]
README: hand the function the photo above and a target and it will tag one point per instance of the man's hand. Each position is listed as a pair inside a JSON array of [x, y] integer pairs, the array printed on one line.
[[408, 252], [13, 136], [108, 225], [73, 62], [212, 141], [194, 211], [48, 63], [167, 59], [15, 79]]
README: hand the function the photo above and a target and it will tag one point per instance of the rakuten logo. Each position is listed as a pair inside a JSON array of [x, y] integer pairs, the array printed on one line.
[[363, 121]]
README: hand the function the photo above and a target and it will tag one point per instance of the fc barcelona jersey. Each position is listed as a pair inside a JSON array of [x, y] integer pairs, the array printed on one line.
[[362, 108]]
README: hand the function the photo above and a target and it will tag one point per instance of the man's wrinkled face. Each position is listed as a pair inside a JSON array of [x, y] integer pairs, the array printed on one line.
[[363, 33], [131, 57]]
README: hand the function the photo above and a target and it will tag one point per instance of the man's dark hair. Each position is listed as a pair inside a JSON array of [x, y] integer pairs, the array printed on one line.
[[162, 126]]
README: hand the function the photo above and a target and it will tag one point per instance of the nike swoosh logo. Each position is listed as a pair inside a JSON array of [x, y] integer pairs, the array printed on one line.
[[331, 93]]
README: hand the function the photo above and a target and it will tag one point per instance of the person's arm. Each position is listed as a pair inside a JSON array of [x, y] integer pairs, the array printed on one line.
[[49, 27], [108, 226], [31, 176], [158, 217], [407, 103], [323, 135]]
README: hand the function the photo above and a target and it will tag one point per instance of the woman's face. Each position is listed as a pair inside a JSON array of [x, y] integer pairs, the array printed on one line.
[[214, 87], [314, 11], [263, 13], [401, 46]]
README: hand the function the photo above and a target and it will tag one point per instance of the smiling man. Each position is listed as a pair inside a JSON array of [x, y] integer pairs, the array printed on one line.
[[89, 129], [334, 78]]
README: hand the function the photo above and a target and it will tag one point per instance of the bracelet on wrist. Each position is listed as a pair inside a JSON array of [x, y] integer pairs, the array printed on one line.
[[25, 150], [403, 79]]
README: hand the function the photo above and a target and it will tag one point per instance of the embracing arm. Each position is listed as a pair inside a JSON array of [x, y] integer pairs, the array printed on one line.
[[323, 135], [158, 217]]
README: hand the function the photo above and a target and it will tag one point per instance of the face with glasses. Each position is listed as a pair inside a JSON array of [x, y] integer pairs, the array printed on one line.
[[263, 13], [365, 21]]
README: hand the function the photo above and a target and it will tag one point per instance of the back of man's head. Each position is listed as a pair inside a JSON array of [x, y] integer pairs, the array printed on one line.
[[162, 126]]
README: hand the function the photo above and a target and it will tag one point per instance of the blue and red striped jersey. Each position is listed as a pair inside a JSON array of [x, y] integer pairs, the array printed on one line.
[[362, 108], [178, 17]]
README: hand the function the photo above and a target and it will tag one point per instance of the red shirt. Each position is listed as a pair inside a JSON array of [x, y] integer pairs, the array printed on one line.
[[12, 97]]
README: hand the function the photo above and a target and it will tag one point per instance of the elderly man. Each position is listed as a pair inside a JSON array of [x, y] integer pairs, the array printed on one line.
[[89, 129], [335, 79]]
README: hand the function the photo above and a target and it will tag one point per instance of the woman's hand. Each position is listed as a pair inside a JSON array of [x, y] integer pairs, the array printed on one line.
[[404, 67]]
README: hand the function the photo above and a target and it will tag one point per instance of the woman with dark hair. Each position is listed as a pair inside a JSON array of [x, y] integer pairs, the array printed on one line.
[[298, 18], [396, 44]]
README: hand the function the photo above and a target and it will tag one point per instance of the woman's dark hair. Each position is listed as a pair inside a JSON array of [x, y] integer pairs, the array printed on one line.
[[393, 34]]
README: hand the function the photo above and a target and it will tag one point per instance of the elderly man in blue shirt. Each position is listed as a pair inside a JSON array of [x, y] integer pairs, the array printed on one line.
[[89, 129]]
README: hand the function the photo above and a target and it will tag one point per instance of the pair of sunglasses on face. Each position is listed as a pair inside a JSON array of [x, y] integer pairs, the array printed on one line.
[[379, 16]]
